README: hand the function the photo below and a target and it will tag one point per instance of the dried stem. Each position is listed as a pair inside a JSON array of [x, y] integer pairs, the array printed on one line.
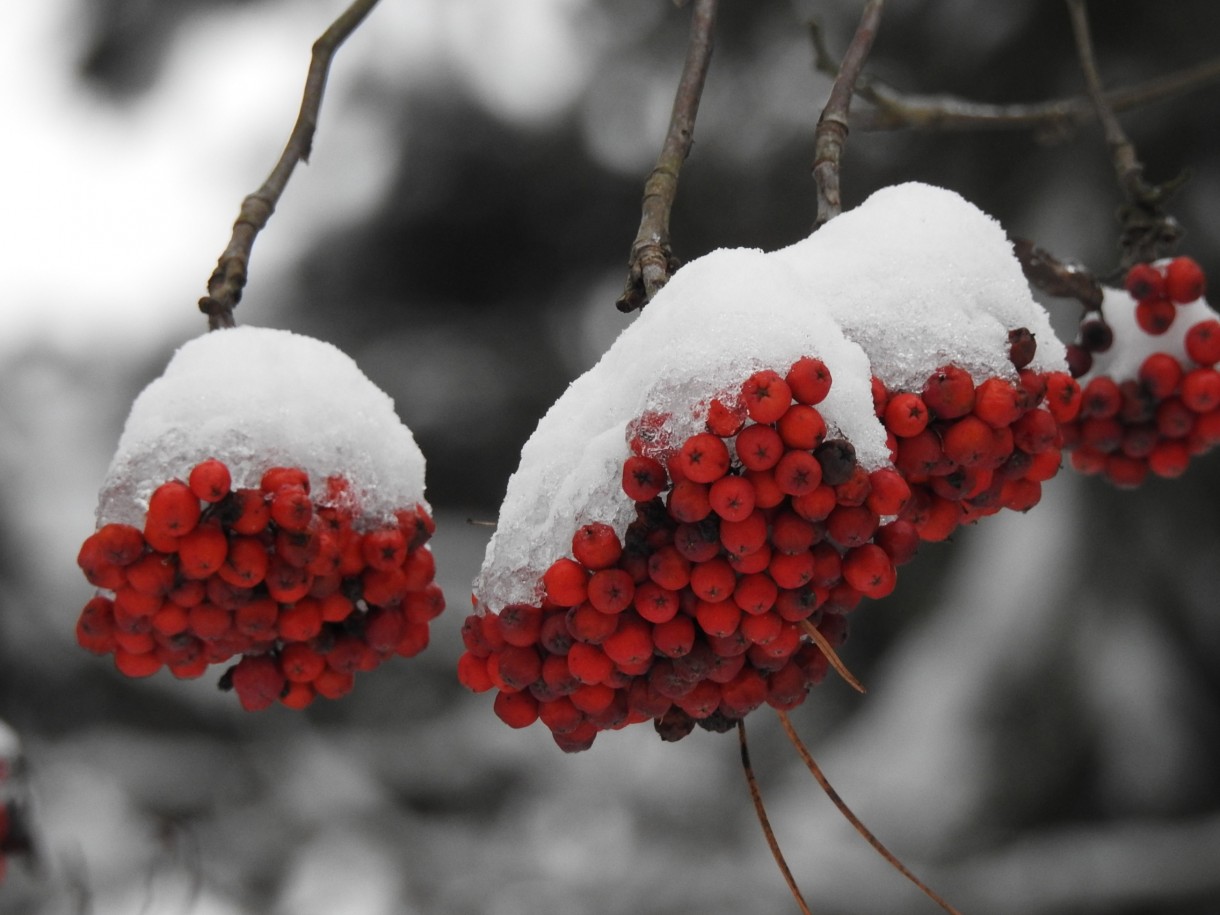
[[828, 650], [1148, 232], [229, 278], [1058, 278], [831, 135], [864, 831], [768, 832], [652, 260], [896, 110]]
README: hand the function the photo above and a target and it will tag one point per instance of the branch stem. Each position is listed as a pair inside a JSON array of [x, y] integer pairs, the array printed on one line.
[[768, 832], [652, 260], [824, 783], [835, 661], [229, 278], [830, 137]]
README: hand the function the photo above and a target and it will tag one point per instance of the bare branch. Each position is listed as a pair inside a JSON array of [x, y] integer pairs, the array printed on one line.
[[652, 260], [831, 134], [768, 832], [229, 278], [850, 816], [1148, 231], [828, 650], [1058, 278]]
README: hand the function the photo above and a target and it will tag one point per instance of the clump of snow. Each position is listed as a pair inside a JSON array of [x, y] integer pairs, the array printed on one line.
[[919, 277], [257, 398], [1132, 344], [912, 279]]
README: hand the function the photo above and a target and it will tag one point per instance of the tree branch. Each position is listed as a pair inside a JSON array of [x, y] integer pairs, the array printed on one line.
[[1148, 231], [1058, 278], [229, 278], [831, 135], [652, 260]]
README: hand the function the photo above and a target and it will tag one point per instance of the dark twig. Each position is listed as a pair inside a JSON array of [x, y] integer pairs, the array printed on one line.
[[1148, 231], [229, 278], [864, 831], [896, 110], [652, 260], [1058, 278], [831, 134], [768, 832]]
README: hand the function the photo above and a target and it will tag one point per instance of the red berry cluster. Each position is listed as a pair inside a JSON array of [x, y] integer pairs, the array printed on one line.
[[749, 536], [1170, 411], [303, 589]]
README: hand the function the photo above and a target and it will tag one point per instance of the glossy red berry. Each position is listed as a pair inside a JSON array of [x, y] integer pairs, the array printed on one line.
[[209, 480], [566, 582], [766, 396], [1143, 281], [1203, 342], [906, 414], [1155, 316], [949, 392], [1184, 280], [809, 380], [643, 478]]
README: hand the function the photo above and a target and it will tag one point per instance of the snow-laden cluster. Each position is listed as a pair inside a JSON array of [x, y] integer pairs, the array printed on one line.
[[1132, 344], [913, 279], [260, 398]]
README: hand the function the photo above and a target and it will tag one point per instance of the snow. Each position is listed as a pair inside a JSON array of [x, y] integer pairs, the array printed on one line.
[[919, 277], [913, 278], [258, 398], [1132, 345]]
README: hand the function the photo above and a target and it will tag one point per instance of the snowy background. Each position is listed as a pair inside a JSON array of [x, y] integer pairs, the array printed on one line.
[[1042, 730]]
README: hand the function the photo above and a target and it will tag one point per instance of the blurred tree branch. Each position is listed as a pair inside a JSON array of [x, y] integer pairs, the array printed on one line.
[[652, 260], [830, 136], [229, 278]]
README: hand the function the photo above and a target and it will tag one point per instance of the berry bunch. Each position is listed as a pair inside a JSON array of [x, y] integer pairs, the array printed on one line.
[[752, 541], [1151, 390], [301, 587]]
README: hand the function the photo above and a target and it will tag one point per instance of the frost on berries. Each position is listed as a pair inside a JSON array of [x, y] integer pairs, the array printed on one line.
[[757, 453], [265, 510], [1150, 388]]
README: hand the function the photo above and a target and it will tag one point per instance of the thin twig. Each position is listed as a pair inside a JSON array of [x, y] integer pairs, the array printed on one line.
[[897, 110], [864, 831], [652, 260], [828, 650], [229, 278], [1058, 278], [768, 832], [1148, 232], [831, 134]]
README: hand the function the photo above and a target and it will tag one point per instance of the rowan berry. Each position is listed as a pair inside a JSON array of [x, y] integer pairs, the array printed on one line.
[[1169, 459], [136, 664], [1143, 281], [1200, 392], [630, 645], [940, 519], [1174, 419], [725, 416], [816, 505], [643, 478], [755, 593], [869, 569], [766, 396], [300, 621], [732, 497], [949, 392], [209, 480], [744, 693], [170, 619], [1096, 335], [720, 618], [837, 457], [1035, 432], [588, 624], [697, 542], [1184, 280], [1021, 495], [701, 701], [809, 380], [276, 477], [251, 512], [383, 549], [906, 414], [300, 663], [802, 426], [172, 510], [419, 569], [596, 546], [996, 403], [566, 582], [1022, 347], [1103, 434], [674, 637], [298, 696], [1203, 342], [1079, 360], [202, 551], [519, 666], [291, 508], [704, 458], [655, 603], [95, 626], [1154, 316], [1063, 396], [258, 682], [798, 473], [688, 501], [472, 673], [767, 493], [899, 539], [611, 590], [517, 710], [855, 490], [152, 573], [851, 525], [1160, 374], [746, 536], [791, 570], [668, 568], [257, 618], [759, 447], [888, 492], [968, 441], [750, 563]]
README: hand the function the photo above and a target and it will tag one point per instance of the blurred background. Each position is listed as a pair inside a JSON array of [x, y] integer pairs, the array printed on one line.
[[1042, 730]]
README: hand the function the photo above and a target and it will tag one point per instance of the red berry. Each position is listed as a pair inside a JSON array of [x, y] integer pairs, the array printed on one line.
[[1022, 347], [300, 663], [611, 590], [732, 498], [253, 512], [704, 458], [674, 638], [1169, 459], [815, 505], [888, 491], [755, 593], [172, 510], [566, 582], [759, 447], [809, 380], [1203, 342], [1200, 392], [725, 419], [202, 551], [899, 539], [791, 570], [740, 538], [1079, 360], [949, 392], [1154, 316], [996, 403], [209, 480], [906, 414], [588, 624], [688, 502], [643, 478], [718, 619], [791, 533], [1160, 374], [276, 477], [246, 562], [630, 645], [767, 493], [589, 664], [869, 569], [596, 546], [798, 473], [291, 508], [1184, 280], [837, 457], [968, 442], [802, 426], [766, 396], [654, 603], [1143, 281], [1035, 432], [517, 710], [383, 549], [258, 682], [851, 526], [1100, 398]]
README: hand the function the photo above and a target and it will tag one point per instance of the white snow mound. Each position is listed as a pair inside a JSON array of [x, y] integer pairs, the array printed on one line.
[[257, 398], [912, 279], [1132, 344]]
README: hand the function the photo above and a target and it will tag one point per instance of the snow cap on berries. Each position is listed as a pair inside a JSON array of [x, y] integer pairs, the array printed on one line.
[[920, 277], [1132, 344], [258, 398]]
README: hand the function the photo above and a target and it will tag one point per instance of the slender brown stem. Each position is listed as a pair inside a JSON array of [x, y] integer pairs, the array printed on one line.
[[897, 110], [1058, 278], [864, 831], [229, 278], [835, 661], [768, 832], [1148, 232], [652, 260], [831, 135]]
